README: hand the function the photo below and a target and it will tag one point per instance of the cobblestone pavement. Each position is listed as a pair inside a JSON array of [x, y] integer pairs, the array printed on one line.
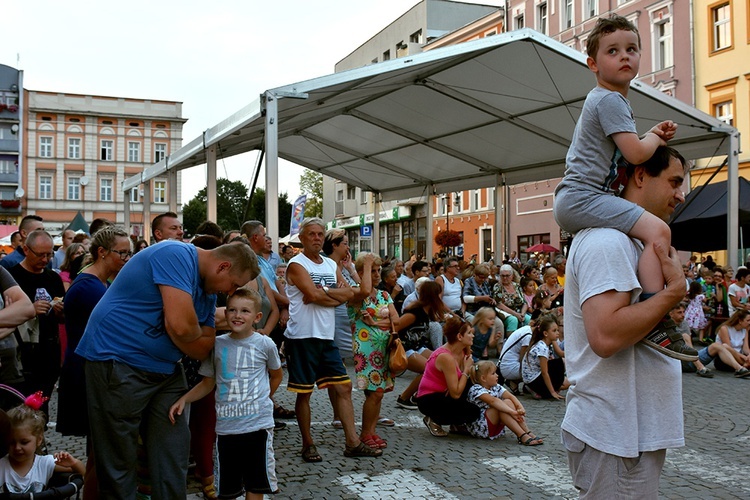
[[714, 464]]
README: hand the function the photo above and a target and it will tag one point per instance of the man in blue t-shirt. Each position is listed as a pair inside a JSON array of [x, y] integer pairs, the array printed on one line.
[[160, 306]]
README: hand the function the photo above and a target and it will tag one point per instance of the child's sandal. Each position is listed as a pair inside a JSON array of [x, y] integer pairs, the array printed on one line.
[[208, 488], [530, 441]]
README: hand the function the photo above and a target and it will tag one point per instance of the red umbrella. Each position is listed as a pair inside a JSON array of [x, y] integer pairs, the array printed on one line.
[[541, 247]]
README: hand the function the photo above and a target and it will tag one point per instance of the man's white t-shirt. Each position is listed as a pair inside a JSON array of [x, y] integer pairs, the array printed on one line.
[[630, 402]]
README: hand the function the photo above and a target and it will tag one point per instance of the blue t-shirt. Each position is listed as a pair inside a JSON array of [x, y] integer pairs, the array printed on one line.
[[127, 325]]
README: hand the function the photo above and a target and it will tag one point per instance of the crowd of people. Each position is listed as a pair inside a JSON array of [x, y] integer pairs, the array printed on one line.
[[130, 324]]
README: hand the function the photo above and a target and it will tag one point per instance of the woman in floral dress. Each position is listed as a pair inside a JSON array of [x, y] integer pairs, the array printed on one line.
[[372, 314]]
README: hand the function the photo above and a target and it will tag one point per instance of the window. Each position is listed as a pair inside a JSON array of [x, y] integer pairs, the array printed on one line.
[[351, 193], [387, 55], [160, 191], [491, 198], [107, 151], [74, 188], [723, 111], [663, 53], [45, 147], [340, 195], [7, 167], [416, 37], [363, 197], [567, 14], [721, 26], [590, 8], [45, 187], [519, 22], [105, 190], [475, 197], [134, 195], [541, 18], [74, 148], [134, 151], [160, 151]]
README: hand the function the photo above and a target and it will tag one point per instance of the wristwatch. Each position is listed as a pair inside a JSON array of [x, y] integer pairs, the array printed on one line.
[[325, 289]]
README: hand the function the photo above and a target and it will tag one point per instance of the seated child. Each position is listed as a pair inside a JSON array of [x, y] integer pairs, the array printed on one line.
[[22, 470], [484, 332], [246, 370], [543, 375], [605, 140], [499, 408]]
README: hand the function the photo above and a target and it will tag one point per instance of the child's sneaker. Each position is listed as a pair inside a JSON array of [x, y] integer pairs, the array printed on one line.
[[667, 340]]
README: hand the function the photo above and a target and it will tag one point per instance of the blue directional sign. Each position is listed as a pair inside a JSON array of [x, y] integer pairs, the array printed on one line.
[[365, 232]]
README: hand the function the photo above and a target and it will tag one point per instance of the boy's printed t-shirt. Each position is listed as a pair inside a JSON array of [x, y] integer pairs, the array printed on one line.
[[240, 368]]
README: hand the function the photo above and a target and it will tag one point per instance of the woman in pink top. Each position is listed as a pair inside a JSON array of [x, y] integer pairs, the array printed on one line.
[[442, 391]]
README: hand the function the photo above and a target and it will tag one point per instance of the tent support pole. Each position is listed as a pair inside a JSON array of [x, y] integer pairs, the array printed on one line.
[[272, 167], [429, 247], [733, 201], [376, 224], [126, 206], [211, 183], [147, 212], [501, 197]]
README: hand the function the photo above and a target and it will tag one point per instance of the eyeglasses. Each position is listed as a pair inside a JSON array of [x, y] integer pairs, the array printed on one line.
[[124, 254], [480, 276], [42, 255], [506, 275], [454, 265]]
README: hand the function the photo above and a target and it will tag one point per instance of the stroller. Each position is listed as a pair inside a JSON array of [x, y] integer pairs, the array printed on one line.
[[62, 485]]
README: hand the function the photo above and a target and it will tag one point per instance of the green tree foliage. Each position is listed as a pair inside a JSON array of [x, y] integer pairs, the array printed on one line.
[[231, 203], [311, 184]]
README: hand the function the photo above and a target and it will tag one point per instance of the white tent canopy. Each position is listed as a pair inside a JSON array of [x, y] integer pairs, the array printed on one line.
[[496, 111]]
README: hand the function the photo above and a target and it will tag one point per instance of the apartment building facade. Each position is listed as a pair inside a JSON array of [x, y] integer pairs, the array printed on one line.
[[79, 149], [11, 134]]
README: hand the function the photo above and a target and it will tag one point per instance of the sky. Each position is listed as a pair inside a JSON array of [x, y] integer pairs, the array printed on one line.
[[214, 57]]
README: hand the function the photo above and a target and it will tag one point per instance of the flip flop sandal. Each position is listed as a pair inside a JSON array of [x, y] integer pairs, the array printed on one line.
[[530, 441], [281, 412], [386, 422], [375, 442], [361, 450], [311, 455], [434, 428]]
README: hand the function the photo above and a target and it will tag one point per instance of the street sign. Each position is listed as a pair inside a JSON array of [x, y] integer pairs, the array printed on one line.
[[365, 232]]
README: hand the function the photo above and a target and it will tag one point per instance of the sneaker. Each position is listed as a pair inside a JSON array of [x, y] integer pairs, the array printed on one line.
[[407, 404], [706, 373], [278, 425], [742, 373], [667, 340]]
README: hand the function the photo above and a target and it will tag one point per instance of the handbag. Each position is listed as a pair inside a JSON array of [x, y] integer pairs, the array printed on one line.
[[397, 360]]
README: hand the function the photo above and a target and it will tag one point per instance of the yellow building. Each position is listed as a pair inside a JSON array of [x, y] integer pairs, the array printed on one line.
[[722, 74]]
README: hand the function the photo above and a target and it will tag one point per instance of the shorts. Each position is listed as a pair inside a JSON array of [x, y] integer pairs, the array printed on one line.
[[313, 361], [410, 352], [493, 429], [704, 357], [242, 457], [577, 209]]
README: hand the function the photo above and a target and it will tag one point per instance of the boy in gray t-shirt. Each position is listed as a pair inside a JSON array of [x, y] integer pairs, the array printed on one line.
[[604, 141], [246, 370]]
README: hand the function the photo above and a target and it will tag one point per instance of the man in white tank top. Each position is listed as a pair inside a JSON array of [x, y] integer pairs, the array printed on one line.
[[315, 287], [452, 286]]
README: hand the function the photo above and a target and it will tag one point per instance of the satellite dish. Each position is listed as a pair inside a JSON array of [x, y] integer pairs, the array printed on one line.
[[84, 181], [20, 192]]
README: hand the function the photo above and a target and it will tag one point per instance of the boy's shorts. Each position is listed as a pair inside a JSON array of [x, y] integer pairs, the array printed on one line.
[[313, 361], [246, 460], [578, 209]]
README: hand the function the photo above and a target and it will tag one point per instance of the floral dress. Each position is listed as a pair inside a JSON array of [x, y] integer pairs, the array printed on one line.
[[694, 314], [370, 344], [514, 299]]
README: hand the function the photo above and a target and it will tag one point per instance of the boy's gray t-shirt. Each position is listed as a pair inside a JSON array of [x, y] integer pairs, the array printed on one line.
[[593, 158], [630, 402], [240, 367]]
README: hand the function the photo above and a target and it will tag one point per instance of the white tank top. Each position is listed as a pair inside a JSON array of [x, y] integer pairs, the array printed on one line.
[[452, 293], [311, 320], [736, 338]]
